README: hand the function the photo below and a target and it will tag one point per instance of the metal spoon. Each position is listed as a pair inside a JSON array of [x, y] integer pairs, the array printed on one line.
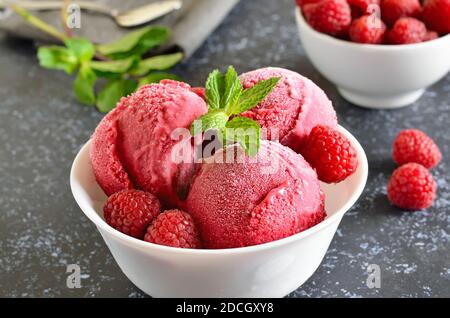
[[128, 18]]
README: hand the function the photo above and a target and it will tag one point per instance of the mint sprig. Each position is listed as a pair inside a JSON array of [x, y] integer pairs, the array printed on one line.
[[120, 63], [227, 99]]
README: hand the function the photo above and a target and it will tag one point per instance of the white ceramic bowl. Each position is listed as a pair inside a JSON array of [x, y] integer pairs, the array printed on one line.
[[376, 76], [268, 270]]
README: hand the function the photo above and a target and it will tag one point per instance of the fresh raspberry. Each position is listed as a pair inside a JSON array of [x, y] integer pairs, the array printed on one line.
[[412, 187], [431, 35], [407, 31], [392, 10], [173, 228], [367, 29], [436, 15], [330, 153], [329, 16], [363, 7], [301, 3], [413, 145], [200, 91], [131, 211]]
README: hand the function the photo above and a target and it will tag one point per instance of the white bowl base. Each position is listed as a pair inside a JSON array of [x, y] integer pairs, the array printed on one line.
[[381, 102]]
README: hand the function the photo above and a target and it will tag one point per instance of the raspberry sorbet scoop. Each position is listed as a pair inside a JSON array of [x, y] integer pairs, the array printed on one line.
[[250, 201], [293, 107], [131, 147]]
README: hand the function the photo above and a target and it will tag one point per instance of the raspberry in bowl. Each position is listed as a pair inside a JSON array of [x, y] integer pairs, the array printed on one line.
[[384, 58], [256, 226]]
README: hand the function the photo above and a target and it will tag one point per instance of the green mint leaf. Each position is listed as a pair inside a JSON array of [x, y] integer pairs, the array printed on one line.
[[246, 132], [233, 90], [112, 92], [215, 119], [157, 77], [214, 89], [110, 68], [57, 57], [136, 42], [82, 48], [254, 95], [83, 85], [156, 63]]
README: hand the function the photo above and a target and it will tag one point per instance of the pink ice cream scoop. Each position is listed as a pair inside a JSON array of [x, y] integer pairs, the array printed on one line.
[[250, 201], [132, 146], [293, 107]]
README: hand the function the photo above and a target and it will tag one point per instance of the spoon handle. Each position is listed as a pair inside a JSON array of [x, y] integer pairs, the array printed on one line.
[[56, 5], [147, 13]]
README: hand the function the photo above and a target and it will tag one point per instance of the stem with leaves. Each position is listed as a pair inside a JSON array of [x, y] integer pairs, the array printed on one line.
[[120, 62]]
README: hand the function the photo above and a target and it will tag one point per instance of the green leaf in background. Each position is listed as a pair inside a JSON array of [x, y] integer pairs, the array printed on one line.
[[83, 85], [82, 48], [108, 68], [135, 43], [214, 89], [153, 38], [123, 44], [246, 132], [57, 57], [254, 95], [112, 92], [157, 77], [215, 119], [156, 63]]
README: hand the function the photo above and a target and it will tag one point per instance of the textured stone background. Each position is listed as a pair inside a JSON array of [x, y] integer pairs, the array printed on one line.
[[42, 128]]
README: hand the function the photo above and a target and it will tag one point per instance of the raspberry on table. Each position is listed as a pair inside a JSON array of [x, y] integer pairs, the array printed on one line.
[[330, 153], [301, 3], [329, 16], [174, 228], [407, 31], [200, 91], [413, 145], [131, 211], [412, 187], [392, 10], [436, 15], [367, 29]]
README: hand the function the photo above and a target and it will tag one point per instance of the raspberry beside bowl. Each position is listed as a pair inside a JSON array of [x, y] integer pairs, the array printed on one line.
[[268, 270], [376, 76]]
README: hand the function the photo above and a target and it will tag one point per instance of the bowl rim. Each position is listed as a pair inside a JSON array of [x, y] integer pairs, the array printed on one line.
[[90, 212], [301, 22]]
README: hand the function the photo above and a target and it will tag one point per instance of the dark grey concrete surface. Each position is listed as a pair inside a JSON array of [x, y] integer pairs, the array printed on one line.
[[42, 127]]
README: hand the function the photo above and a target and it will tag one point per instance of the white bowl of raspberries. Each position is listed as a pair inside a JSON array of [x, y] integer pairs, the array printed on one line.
[[232, 223], [380, 54], [160, 252]]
